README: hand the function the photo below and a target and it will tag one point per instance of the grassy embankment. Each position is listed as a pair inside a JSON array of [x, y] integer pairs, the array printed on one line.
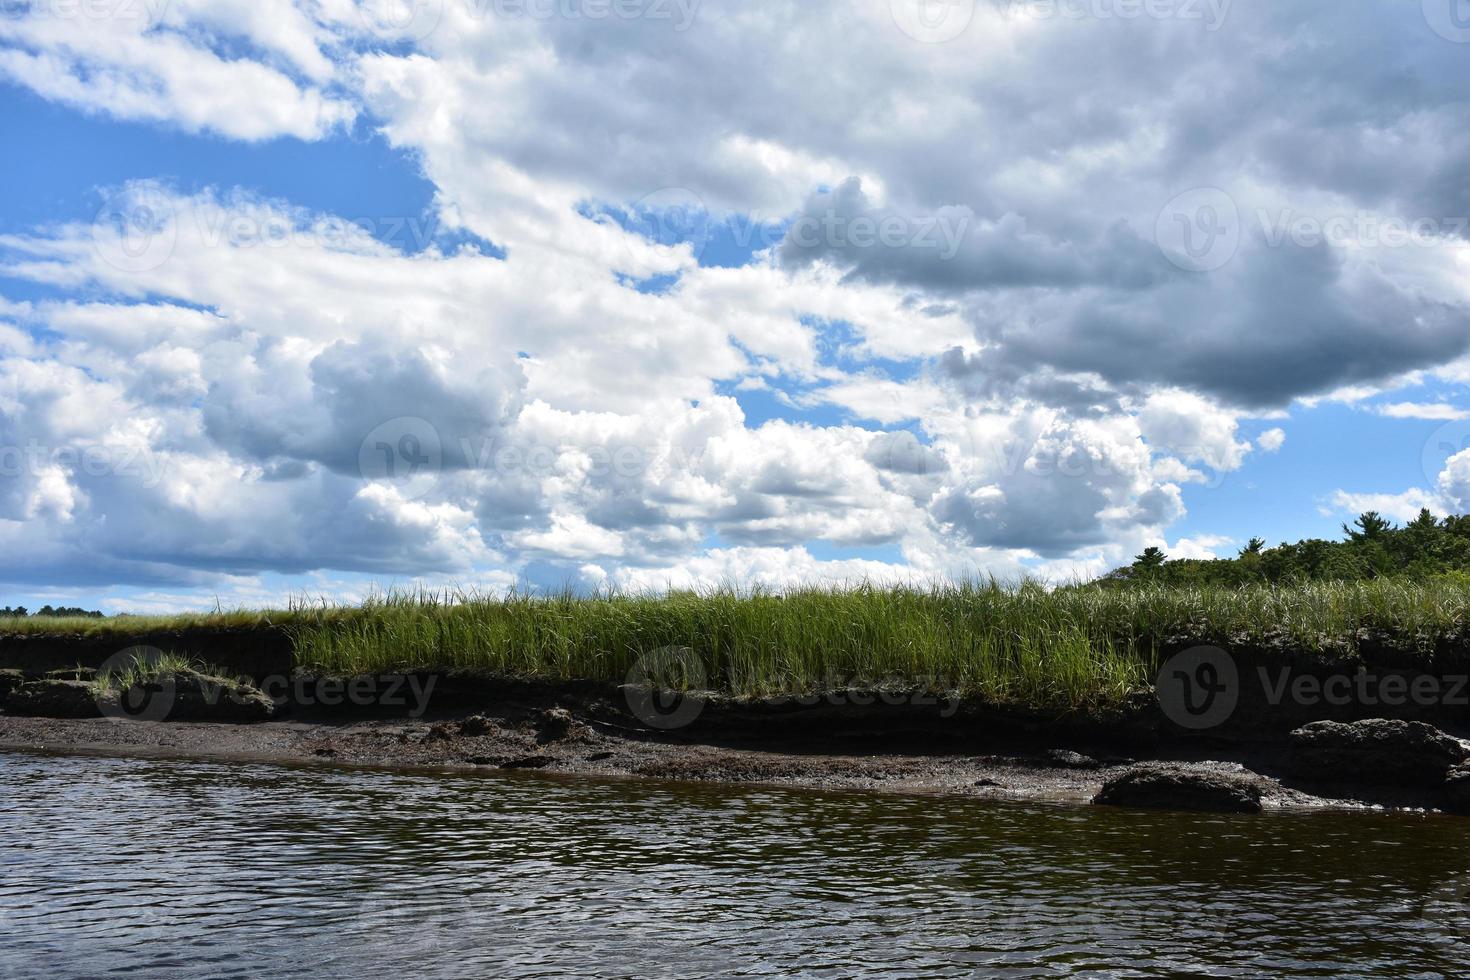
[[1084, 646]]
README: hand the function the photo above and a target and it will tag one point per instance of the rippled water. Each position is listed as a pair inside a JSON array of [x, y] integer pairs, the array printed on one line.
[[154, 868]]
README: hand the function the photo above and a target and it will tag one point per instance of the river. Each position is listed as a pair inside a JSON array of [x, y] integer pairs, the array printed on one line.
[[147, 868]]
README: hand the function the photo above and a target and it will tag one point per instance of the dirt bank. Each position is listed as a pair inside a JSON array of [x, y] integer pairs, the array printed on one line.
[[533, 731]]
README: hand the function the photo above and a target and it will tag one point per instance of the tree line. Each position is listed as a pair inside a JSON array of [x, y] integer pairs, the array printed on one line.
[[20, 612], [1372, 547]]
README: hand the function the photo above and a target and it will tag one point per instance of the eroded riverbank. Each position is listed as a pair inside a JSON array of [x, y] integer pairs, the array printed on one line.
[[532, 734]]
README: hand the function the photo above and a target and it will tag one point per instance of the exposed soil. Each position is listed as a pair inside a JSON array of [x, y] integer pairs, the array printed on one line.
[[534, 729]]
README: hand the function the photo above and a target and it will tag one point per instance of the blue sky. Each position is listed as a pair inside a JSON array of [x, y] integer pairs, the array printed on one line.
[[620, 320]]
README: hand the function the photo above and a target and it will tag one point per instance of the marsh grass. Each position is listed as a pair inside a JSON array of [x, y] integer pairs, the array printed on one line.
[[1081, 646], [1075, 647], [139, 672]]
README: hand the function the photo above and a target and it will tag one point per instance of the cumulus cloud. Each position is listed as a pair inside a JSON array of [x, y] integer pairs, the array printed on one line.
[[1008, 323], [1271, 440], [157, 61], [1396, 506]]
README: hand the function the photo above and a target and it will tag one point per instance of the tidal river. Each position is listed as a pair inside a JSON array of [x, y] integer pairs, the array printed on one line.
[[125, 867]]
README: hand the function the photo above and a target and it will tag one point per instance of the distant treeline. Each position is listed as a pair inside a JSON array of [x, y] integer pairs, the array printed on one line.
[[1374, 547], [21, 612]]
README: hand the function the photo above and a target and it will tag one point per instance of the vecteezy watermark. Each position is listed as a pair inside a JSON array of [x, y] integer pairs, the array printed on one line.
[[401, 20], [680, 14], [1199, 688], [142, 683], [1447, 441], [677, 216], [145, 14], [415, 20], [668, 689], [933, 21], [1450, 19], [136, 230], [543, 459], [942, 233], [1448, 906], [1209, 13], [238, 229], [671, 216], [408, 692], [1202, 687], [1360, 229], [143, 692], [1199, 230], [98, 462], [422, 921], [665, 688], [1043, 457], [405, 452]]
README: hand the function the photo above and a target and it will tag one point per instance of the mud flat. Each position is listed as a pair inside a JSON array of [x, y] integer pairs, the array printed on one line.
[[858, 740]]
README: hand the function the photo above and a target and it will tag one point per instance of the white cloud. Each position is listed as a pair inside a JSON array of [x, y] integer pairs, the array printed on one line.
[[1049, 379], [153, 60], [1396, 506], [1271, 440], [1421, 410], [1203, 546], [1193, 429]]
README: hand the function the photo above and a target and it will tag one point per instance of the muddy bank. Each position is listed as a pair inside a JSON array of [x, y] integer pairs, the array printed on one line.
[[1127, 758], [506, 743], [255, 651]]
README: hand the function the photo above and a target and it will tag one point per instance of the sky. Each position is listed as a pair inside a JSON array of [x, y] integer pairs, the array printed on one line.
[[322, 297]]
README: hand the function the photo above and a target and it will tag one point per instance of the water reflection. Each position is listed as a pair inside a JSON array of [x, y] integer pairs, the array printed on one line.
[[188, 869]]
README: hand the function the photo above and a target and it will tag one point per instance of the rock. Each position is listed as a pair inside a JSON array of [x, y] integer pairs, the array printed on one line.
[[1457, 791], [10, 680], [1167, 786], [442, 732], [71, 674], [529, 762], [187, 695], [55, 699], [1380, 750], [1067, 759], [477, 725], [555, 724]]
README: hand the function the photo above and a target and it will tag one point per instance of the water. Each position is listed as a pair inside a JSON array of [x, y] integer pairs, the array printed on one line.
[[165, 868]]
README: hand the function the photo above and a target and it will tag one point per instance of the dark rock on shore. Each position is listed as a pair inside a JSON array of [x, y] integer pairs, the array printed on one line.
[[199, 697], [1167, 786], [180, 696], [478, 725], [10, 681], [1457, 791], [1067, 759], [71, 674], [1379, 751], [55, 699], [558, 724]]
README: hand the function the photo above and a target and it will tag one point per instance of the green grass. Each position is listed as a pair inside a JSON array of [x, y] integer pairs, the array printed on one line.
[[1075, 647], [125, 626], [139, 672]]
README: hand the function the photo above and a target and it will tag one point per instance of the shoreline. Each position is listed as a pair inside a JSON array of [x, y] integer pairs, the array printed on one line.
[[1039, 768]]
